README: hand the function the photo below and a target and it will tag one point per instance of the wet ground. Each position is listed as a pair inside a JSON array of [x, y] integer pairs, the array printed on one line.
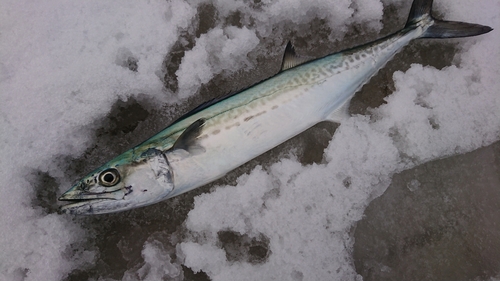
[[438, 221]]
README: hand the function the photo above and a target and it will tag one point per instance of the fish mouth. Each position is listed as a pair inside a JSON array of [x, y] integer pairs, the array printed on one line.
[[83, 203], [81, 206]]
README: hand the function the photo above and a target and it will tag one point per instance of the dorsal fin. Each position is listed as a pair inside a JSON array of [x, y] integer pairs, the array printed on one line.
[[291, 59], [187, 140]]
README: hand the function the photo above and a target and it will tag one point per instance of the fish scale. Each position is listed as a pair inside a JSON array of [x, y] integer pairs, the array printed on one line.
[[315, 96]]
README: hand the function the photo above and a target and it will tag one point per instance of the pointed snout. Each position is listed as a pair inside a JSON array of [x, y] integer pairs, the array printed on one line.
[[74, 193]]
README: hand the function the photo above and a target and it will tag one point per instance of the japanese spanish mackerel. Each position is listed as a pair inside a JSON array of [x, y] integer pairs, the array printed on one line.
[[218, 137]]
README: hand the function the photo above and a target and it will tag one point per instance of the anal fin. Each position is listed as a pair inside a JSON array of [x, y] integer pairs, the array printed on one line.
[[341, 114]]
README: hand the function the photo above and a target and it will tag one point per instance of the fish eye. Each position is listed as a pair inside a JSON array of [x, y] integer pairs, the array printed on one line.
[[109, 177]]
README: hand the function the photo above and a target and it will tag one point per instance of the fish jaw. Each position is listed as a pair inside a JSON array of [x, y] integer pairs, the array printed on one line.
[[141, 183], [94, 206]]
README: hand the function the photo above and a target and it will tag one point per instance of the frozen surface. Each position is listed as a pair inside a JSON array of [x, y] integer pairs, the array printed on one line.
[[437, 221], [65, 66]]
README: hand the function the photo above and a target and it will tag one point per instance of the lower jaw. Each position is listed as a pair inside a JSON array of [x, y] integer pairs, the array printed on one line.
[[81, 207]]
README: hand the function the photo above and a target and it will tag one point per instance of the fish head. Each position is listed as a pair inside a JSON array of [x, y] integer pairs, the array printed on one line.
[[121, 185]]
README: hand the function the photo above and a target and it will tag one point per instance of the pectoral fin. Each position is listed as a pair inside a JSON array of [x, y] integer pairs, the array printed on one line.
[[188, 140]]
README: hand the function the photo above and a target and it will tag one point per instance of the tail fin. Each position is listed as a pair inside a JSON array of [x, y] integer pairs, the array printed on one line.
[[421, 10]]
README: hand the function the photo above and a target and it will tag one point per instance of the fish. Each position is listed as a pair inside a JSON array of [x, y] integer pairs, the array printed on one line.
[[218, 136]]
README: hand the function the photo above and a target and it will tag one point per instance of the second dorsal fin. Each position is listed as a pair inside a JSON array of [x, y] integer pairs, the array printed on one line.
[[188, 139], [291, 59]]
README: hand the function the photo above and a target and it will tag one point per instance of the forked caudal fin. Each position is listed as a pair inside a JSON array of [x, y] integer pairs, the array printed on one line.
[[421, 11]]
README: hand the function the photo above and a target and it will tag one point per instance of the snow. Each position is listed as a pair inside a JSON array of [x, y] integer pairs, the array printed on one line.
[[64, 64]]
